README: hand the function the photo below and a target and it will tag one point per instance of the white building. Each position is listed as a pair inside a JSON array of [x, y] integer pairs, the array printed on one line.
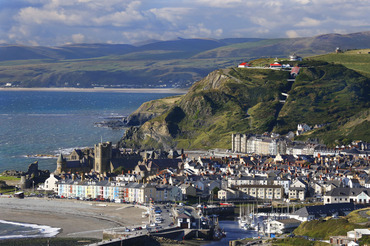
[[51, 183], [282, 226], [227, 194], [346, 195]]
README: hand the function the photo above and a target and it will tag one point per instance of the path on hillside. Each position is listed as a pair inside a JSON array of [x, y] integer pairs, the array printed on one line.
[[363, 214]]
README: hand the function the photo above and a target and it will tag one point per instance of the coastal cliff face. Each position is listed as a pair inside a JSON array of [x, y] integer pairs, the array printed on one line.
[[151, 109], [250, 101]]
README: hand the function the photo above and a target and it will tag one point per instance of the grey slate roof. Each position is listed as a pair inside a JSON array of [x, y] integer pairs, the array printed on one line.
[[327, 209], [347, 191]]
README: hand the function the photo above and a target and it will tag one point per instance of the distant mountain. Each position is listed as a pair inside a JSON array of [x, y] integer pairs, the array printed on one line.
[[173, 63], [75, 51]]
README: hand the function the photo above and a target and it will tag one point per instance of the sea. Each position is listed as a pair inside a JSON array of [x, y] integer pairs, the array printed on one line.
[[10, 230], [53, 122]]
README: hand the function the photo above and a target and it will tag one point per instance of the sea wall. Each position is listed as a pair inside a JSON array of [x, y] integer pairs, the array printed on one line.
[[144, 240]]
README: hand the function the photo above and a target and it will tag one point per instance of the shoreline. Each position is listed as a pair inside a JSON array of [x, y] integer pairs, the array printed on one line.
[[98, 89], [75, 218]]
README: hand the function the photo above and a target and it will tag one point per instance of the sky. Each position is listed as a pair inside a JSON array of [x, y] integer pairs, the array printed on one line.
[[59, 22]]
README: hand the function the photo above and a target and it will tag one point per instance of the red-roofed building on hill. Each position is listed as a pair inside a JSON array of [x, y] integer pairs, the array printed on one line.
[[243, 65], [276, 65], [294, 72]]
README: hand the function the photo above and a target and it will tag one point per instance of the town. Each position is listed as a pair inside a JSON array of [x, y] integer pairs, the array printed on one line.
[[270, 183], [265, 171]]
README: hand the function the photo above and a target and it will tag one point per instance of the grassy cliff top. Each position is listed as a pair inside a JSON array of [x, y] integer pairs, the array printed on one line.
[[251, 100], [323, 229], [358, 60]]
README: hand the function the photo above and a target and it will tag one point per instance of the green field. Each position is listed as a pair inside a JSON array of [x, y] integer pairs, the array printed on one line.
[[297, 241], [323, 229], [358, 60]]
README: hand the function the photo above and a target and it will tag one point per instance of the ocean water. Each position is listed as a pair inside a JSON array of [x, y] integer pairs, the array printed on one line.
[[51, 122], [10, 230]]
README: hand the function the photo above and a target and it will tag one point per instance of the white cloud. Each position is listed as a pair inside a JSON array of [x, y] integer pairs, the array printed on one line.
[[304, 2], [50, 22], [78, 38], [36, 16], [121, 18], [170, 14], [306, 22], [262, 21], [291, 34], [220, 3]]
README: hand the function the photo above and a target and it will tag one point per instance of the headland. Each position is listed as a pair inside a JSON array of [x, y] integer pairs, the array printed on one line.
[[99, 89]]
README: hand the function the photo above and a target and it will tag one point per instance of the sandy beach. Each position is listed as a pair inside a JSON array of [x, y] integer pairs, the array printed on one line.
[[75, 218], [101, 89]]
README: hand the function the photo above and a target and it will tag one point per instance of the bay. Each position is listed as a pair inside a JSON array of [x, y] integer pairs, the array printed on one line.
[[50, 122], [9, 230]]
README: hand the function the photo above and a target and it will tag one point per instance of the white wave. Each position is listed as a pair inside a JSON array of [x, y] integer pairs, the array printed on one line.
[[56, 115], [67, 151], [39, 157], [44, 230]]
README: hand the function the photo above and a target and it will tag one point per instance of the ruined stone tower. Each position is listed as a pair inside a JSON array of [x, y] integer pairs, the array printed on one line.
[[103, 156]]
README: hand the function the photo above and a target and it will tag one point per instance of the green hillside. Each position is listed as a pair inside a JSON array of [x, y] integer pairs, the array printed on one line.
[[358, 60], [323, 229], [174, 63], [346, 127], [250, 101]]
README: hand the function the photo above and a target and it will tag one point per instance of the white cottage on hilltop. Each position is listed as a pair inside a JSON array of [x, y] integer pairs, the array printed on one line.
[[275, 65], [243, 65], [294, 57]]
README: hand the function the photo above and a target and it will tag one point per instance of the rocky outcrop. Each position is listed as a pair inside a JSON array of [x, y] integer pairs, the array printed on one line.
[[150, 110], [160, 120]]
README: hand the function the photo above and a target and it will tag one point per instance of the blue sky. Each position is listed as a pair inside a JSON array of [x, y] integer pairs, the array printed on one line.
[[58, 22]]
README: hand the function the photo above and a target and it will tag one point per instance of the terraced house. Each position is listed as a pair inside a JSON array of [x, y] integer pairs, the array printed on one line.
[[113, 190], [346, 195], [264, 192]]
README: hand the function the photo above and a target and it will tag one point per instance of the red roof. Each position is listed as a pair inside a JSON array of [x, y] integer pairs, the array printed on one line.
[[244, 64], [275, 65], [295, 70]]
